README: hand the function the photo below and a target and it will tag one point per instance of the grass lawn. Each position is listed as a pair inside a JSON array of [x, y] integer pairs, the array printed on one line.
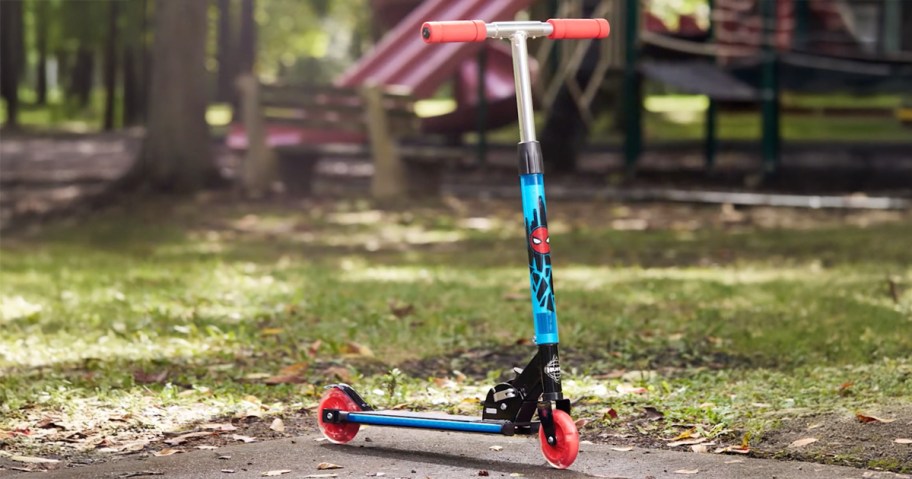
[[154, 317]]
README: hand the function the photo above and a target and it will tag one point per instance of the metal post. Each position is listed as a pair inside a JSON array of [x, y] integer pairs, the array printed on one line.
[[892, 28], [770, 90], [482, 114], [633, 140], [710, 141], [523, 87]]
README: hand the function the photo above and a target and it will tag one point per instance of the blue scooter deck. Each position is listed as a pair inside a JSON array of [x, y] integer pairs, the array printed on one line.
[[433, 420]]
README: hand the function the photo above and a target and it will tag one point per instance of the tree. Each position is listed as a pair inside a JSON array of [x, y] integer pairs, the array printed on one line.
[[176, 155], [12, 57], [110, 66], [225, 53], [42, 20]]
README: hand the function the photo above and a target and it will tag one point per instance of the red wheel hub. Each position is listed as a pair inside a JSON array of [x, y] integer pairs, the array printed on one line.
[[338, 433], [565, 451]]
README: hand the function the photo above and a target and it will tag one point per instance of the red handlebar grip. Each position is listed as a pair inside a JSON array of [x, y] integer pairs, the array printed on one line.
[[455, 31], [579, 28]]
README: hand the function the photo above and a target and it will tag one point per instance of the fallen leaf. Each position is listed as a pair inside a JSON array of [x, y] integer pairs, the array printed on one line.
[[228, 471], [277, 472], [321, 475], [803, 442], [739, 449], [245, 439], [687, 442], [271, 331], [176, 441], [225, 457], [814, 426], [581, 423], [609, 413], [653, 414], [401, 310], [845, 388], [50, 422], [206, 447], [218, 427], [166, 452], [313, 348], [866, 419], [142, 473], [685, 435], [628, 389], [291, 374], [484, 473], [339, 372], [902, 440], [496, 448], [734, 461], [277, 425], [687, 471], [143, 377], [622, 449], [352, 348], [327, 465], [701, 448], [33, 460]]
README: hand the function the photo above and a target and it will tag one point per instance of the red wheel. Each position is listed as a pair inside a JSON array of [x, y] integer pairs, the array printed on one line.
[[567, 448], [337, 433]]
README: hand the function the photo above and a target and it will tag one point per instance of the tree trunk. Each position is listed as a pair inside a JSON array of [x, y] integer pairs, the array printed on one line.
[[83, 73], [110, 67], [247, 38], [41, 43], [11, 57], [226, 71], [176, 154]]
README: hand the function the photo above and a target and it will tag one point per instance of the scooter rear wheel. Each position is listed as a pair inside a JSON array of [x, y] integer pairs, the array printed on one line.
[[338, 433], [564, 453]]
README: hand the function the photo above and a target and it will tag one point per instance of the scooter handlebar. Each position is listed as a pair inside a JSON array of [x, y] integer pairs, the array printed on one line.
[[454, 31], [579, 28], [477, 30]]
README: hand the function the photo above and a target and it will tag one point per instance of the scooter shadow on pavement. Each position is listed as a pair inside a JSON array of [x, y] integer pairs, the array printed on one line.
[[528, 470]]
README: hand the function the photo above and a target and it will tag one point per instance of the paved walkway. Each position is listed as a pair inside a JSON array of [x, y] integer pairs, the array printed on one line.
[[394, 453]]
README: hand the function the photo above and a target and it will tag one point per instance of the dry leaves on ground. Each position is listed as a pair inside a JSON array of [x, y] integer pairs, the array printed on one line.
[[803, 442], [687, 471], [622, 449], [244, 439], [327, 465], [166, 452], [177, 441], [867, 419], [277, 425], [277, 472], [902, 440]]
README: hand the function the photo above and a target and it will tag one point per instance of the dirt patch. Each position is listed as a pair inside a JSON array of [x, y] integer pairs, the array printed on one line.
[[845, 440]]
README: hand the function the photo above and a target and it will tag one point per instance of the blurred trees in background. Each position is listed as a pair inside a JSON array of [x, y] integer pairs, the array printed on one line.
[[91, 60]]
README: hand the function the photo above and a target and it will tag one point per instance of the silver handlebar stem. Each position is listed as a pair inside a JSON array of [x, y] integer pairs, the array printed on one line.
[[518, 33], [522, 78]]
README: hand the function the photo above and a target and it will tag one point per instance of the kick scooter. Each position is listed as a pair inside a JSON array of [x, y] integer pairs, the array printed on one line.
[[532, 402]]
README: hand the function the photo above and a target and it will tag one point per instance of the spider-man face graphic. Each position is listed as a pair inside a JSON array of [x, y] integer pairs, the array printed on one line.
[[540, 241]]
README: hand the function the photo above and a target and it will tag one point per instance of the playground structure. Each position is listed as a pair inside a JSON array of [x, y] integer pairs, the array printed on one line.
[[744, 52], [747, 52]]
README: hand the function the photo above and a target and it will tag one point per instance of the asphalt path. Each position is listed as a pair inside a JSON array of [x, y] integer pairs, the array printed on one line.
[[405, 453]]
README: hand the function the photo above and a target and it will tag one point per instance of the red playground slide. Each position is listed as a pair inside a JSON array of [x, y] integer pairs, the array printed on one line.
[[401, 58]]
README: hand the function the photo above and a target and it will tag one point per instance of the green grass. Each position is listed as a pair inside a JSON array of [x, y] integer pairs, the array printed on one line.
[[219, 296]]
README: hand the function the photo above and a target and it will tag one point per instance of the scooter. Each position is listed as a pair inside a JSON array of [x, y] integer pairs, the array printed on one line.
[[510, 408]]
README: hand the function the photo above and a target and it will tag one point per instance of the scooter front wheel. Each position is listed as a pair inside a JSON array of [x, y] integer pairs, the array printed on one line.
[[338, 433], [565, 451]]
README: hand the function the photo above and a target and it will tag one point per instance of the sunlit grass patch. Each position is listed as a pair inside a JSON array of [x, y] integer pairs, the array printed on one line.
[[180, 313]]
